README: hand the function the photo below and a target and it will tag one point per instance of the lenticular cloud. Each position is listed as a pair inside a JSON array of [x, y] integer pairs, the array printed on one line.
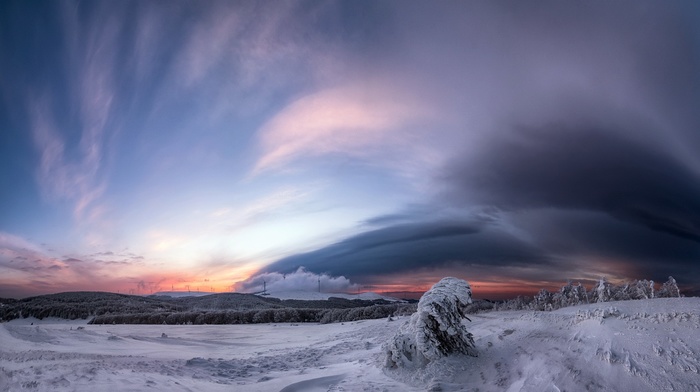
[[299, 280]]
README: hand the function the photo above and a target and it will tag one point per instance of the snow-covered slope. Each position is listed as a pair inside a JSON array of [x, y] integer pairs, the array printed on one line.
[[646, 345], [315, 295]]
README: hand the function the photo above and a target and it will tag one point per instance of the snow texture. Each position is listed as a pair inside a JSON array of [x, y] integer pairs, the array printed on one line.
[[647, 345], [436, 329]]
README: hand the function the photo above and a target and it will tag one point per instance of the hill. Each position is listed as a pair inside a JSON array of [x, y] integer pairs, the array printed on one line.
[[221, 308]]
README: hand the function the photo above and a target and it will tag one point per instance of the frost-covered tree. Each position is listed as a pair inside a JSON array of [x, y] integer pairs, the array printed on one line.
[[570, 295], [669, 289], [544, 300], [581, 293], [643, 289], [602, 292], [517, 303], [622, 293], [436, 329]]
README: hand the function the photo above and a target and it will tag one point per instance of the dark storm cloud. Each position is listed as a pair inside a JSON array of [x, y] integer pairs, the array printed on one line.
[[583, 167], [598, 241], [579, 143], [407, 247]]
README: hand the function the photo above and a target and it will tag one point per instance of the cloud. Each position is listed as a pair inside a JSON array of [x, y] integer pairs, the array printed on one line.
[[209, 43], [583, 167], [41, 272], [243, 41], [554, 117], [598, 243], [280, 201], [407, 247], [20, 259], [298, 280], [73, 168], [364, 120], [59, 178], [14, 242]]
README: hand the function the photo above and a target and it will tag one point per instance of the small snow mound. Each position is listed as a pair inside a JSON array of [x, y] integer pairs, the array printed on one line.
[[436, 329], [597, 314]]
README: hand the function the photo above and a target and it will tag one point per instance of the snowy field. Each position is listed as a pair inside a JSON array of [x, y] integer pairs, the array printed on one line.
[[645, 345]]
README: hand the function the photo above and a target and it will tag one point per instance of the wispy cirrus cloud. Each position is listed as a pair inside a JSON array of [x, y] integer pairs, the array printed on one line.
[[208, 45], [239, 57], [266, 207], [72, 153]]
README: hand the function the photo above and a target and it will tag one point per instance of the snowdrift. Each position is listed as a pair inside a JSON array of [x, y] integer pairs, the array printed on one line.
[[645, 345]]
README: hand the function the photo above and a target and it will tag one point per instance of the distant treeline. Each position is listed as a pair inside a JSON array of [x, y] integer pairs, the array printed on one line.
[[284, 315], [234, 308], [225, 308], [576, 294]]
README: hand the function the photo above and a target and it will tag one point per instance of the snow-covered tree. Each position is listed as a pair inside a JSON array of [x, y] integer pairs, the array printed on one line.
[[436, 329], [582, 293], [669, 289], [602, 292], [544, 300], [570, 295], [622, 293], [517, 303], [643, 289]]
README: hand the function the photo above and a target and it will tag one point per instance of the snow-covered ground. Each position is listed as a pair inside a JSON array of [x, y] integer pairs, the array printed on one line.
[[646, 345]]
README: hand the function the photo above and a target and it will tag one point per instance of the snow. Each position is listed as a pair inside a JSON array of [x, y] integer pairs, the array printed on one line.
[[644, 345], [435, 330]]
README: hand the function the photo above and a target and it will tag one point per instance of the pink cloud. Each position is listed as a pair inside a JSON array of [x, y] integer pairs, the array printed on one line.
[[369, 120]]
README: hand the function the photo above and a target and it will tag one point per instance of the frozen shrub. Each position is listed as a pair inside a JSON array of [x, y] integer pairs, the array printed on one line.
[[436, 329], [480, 306], [669, 289], [517, 303], [622, 293], [544, 300], [643, 289]]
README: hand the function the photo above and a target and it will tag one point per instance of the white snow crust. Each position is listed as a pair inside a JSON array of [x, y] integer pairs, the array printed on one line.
[[644, 345]]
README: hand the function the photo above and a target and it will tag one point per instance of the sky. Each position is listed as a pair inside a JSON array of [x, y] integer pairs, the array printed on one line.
[[373, 145]]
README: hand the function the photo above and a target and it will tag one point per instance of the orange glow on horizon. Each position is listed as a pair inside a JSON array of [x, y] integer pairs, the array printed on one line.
[[134, 282], [480, 289]]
